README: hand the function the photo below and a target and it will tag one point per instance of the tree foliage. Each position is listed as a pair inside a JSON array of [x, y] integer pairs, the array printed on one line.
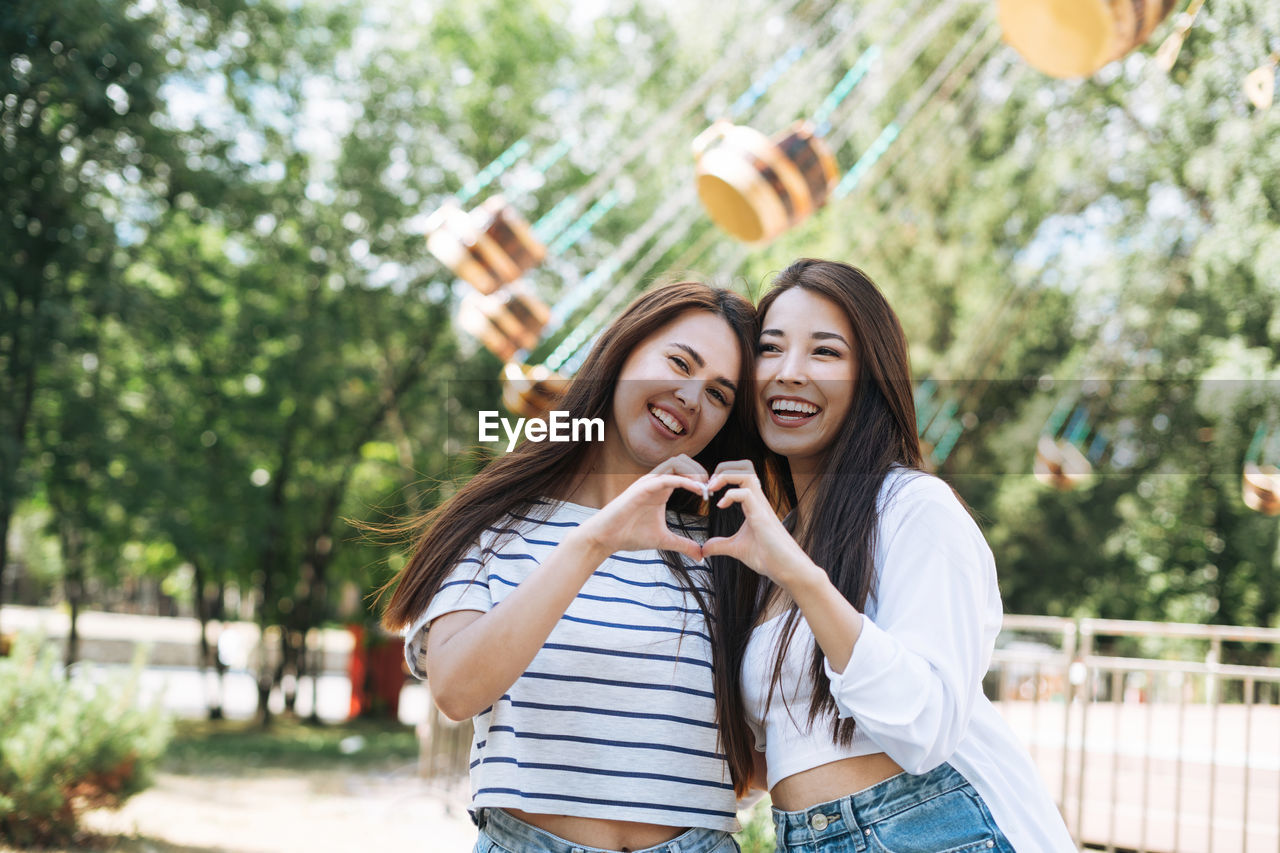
[[222, 335]]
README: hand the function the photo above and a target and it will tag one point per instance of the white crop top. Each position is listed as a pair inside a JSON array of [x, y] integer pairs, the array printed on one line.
[[782, 730]]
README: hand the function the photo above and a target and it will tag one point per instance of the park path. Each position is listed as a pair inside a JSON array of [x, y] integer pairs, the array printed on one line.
[[257, 811], [313, 811]]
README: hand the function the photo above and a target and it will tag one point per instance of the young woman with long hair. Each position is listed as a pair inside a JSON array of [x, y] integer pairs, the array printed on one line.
[[559, 600], [853, 653]]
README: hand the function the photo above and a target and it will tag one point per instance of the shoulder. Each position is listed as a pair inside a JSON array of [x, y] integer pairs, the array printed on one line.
[[545, 519], [917, 499]]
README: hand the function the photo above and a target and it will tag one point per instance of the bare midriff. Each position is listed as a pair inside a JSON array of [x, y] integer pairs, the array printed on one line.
[[595, 832], [832, 781]]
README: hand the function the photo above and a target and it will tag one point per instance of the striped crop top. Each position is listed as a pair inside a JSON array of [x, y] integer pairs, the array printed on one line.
[[615, 716]]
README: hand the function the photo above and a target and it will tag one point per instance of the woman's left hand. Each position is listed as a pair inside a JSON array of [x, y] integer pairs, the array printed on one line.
[[762, 543]]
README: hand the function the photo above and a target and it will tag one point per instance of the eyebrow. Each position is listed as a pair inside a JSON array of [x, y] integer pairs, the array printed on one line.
[[817, 336], [693, 354]]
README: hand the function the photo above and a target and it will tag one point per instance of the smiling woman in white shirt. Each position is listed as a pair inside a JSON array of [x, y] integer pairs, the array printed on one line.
[[854, 650]]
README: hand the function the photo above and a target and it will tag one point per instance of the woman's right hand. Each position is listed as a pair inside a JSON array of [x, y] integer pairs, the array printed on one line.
[[763, 543], [636, 520]]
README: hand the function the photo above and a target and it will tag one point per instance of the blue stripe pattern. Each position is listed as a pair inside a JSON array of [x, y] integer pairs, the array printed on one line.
[[543, 523], [607, 712], [615, 715], [566, 647], [694, 611], [516, 531], [621, 744], [654, 584], [610, 803], [612, 682], [595, 771], [666, 629]]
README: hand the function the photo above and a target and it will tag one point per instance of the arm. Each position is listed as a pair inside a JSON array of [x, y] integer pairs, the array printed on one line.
[[910, 678], [915, 672], [472, 658]]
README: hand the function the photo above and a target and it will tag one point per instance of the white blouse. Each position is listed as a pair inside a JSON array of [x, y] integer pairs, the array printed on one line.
[[914, 681]]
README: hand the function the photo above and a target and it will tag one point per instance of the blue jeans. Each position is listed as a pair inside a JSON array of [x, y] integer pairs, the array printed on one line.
[[935, 812], [502, 833]]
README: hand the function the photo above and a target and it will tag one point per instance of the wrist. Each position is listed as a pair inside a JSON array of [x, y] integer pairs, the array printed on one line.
[[590, 541], [804, 578]]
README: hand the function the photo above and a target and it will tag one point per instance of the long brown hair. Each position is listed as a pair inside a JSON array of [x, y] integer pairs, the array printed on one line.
[[533, 470], [878, 433]]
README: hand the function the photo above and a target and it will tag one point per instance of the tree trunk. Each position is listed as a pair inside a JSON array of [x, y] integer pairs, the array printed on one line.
[[208, 655], [218, 612], [265, 679], [73, 586], [315, 666], [289, 665]]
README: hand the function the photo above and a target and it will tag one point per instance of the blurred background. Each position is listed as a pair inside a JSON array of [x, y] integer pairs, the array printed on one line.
[[262, 261]]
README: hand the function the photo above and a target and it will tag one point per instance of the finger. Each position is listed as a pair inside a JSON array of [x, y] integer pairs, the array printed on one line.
[[745, 478], [732, 546], [720, 546], [734, 465], [682, 464], [690, 467], [668, 483], [734, 496], [682, 545]]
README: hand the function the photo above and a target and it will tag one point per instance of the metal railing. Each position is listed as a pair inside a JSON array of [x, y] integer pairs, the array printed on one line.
[[1151, 736], [1150, 739]]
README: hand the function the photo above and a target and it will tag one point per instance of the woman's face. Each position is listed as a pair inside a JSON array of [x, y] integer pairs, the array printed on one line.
[[676, 389], [806, 369]]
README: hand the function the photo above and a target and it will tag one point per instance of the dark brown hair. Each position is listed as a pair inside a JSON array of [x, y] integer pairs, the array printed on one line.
[[878, 433], [533, 470]]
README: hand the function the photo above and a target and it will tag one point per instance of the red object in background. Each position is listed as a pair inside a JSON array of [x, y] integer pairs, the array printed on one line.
[[377, 671]]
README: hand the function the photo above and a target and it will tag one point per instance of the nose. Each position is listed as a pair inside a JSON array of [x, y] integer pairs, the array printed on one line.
[[689, 393], [791, 368]]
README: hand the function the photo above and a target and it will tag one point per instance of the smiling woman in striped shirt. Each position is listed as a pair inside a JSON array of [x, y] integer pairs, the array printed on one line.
[[558, 599]]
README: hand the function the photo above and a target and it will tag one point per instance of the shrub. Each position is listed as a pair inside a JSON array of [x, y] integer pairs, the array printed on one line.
[[68, 745], [757, 829]]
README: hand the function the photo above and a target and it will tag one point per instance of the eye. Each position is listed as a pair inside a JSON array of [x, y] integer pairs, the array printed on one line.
[[826, 351], [719, 396], [680, 362], [767, 347]]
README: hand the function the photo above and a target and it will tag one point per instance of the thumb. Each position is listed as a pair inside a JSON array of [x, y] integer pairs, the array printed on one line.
[[720, 546], [684, 546]]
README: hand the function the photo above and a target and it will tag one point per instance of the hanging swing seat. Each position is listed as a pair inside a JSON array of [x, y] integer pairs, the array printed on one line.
[[1074, 38], [1060, 464], [506, 321], [488, 247], [531, 392], [1262, 488], [754, 187]]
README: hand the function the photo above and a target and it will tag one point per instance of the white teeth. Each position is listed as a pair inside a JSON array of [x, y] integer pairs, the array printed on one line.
[[671, 423], [794, 406]]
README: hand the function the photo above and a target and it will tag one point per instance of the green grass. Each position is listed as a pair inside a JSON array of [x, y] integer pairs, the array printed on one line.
[[229, 746]]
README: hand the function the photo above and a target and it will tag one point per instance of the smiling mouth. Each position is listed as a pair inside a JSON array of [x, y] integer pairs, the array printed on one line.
[[792, 411], [667, 420]]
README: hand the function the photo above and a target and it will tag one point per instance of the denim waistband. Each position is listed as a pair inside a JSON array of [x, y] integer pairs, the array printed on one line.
[[879, 802], [515, 834]]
